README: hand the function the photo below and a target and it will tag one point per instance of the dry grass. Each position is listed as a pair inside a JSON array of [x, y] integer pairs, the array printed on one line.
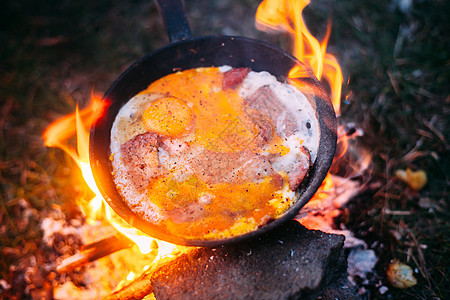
[[53, 55]]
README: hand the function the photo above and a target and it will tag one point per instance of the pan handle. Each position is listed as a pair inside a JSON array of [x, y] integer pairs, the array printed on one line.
[[174, 17]]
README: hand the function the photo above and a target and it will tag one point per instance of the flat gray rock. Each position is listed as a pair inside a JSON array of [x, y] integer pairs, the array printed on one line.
[[290, 262]]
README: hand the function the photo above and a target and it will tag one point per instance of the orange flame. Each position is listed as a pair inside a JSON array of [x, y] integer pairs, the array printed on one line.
[[59, 134], [286, 15], [60, 131]]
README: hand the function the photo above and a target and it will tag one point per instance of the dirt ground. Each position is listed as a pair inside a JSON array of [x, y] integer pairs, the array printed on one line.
[[395, 57]]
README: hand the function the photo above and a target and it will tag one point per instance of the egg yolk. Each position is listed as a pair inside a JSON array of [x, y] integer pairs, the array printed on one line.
[[215, 120], [168, 116], [216, 208], [220, 124]]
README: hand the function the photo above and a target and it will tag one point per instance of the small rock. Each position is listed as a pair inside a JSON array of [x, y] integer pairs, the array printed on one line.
[[425, 203], [383, 289], [400, 275], [361, 261]]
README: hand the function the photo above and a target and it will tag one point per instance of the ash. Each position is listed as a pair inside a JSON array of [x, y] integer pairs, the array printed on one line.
[[320, 214], [99, 278]]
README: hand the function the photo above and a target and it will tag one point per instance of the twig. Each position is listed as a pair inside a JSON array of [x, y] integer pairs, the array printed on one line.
[[394, 83], [93, 252], [142, 285], [422, 263], [136, 289], [397, 212], [433, 129]]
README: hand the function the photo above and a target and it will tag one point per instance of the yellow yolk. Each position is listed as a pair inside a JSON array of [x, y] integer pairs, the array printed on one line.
[[220, 124], [168, 116], [277, 146], [196, 107], [220, 206]]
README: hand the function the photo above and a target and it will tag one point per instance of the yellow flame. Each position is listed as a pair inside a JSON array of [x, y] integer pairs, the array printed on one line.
[[92, 210], [60, 131], [130, 276], [323, 190], [142, 240], [286, 15], [58, 134]]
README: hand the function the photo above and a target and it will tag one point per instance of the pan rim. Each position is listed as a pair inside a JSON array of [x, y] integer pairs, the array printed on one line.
[[327, 146]]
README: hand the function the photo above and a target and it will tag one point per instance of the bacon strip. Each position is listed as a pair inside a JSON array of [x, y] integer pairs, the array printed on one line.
[[265, 101], [140, 157], [214, 167], [234, 77], [299, 169]]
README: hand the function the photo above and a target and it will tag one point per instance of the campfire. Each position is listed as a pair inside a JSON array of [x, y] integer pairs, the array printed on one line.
[[142, 264]]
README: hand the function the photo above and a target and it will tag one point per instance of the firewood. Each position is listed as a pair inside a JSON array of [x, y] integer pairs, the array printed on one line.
[[136, 289], [94, 251], [142, 286]]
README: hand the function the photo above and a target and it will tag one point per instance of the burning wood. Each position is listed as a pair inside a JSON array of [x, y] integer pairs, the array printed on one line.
[[93, 252]]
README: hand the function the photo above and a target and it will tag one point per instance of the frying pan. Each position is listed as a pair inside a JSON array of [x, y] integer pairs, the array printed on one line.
[[185, 53]]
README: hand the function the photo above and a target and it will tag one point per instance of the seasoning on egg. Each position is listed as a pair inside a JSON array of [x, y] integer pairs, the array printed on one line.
[[213, 152]]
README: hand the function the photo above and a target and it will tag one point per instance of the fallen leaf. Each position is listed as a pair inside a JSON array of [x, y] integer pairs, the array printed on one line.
[[415, 179]]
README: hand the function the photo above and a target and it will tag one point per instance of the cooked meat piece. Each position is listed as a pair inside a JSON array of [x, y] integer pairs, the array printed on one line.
[[234, 77], [215, 167], [266, 102], [299, 169], [263, 125], [254, 168], [191, 213], [173, 146], [140, 156]]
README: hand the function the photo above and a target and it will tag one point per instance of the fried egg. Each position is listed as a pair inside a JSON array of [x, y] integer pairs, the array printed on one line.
[[219, 160]]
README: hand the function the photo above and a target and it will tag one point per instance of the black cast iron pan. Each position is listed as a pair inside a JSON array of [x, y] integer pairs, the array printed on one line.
[[186, 53]]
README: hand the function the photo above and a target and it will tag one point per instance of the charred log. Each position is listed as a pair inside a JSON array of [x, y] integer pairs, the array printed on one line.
[[94, 251]]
